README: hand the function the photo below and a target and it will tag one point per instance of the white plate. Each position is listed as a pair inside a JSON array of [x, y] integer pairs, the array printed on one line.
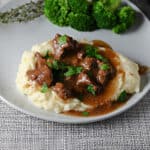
[[15, 38]]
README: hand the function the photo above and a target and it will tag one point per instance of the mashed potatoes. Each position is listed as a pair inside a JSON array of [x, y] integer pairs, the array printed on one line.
[[50, 101]]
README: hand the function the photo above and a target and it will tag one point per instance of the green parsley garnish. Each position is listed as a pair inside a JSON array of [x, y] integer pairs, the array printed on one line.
[[49, 64], [44, 88], [62, 40], [122, 97], [100, 57], [85, 113], [47, 56], [23, 13], [58, 65], [90, 89], [92, 51], [72, 70], [80, 97], [62, 66], [104, 67], [55, 65]]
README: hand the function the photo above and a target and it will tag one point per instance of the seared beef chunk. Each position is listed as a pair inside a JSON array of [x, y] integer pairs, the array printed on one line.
[[83, 79], [45, 76], [70, 71], [62, 44], [62, 91], [32, 74], [105, 72], [88, 63], [80, 55], [71, 60], [102, 76], [99, 63], [40, 61], [41, 74]]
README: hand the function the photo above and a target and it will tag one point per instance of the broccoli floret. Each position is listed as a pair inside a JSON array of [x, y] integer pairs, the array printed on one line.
[[104, 18], [56, 11], [126, 17], [81, 22], [79, 6], [120, 28], [75, 13], [79, 18], [111, 5], [87, 16]]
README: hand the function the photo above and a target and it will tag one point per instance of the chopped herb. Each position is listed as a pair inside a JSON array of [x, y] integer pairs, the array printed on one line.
[[78, 70], [85, 113], [44, 88], [104, 67], [62, 40], [92, 51], [72, 70], [55, 65], [90, 89], [100, 57], [59, 65], [62, 66], [47, 56], [80, 97], [122, 97], [49, 64], [23, 13], [69, 70]]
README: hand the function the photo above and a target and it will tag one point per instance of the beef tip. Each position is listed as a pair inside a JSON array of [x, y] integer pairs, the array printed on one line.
[[97, 88], [41, 74], [102, 76], [59, 49], [44, 76], [62, 91], [82, 83], [80, 55], [111, 71], [38, 55], [40, 61], [88, 63], [32, 74], [83, 79], [99, 63]]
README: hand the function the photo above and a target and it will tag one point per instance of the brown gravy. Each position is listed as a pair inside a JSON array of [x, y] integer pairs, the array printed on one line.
[[143, 69], [101, 103], [105, 109], [74, 86]]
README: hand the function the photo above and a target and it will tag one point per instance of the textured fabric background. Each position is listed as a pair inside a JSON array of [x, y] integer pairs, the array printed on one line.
[[128, 131]]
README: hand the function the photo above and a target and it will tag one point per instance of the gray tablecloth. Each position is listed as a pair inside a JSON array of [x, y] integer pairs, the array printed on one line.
[[128, 131]]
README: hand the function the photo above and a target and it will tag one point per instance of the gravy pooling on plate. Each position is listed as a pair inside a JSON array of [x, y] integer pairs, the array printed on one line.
[[86, 78]]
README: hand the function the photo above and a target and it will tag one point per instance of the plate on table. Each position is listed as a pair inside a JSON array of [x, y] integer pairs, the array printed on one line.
[[17, 37]]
